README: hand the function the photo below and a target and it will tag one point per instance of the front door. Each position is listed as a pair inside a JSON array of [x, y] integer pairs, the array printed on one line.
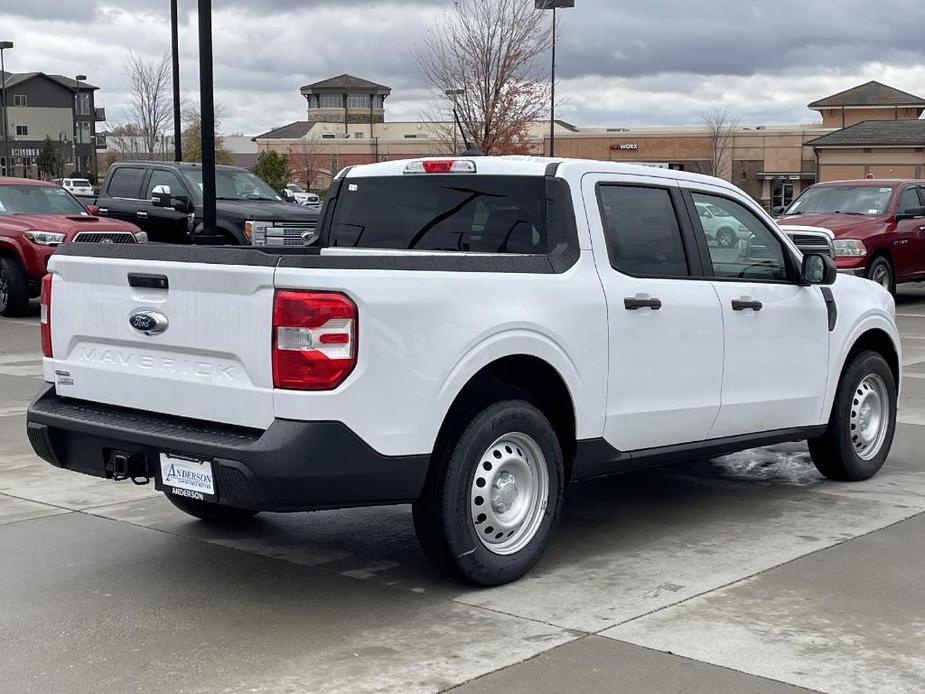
[[165, 224], [665, 324], [908, 242], [782, 193], [776, 331]]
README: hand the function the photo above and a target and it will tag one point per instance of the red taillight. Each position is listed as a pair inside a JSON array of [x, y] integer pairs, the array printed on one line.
[[314, 339], [45, 324]]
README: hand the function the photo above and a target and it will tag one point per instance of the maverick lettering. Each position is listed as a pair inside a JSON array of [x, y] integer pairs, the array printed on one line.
[[149, 362]]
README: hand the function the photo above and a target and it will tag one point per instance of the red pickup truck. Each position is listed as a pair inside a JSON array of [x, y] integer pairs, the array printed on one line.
[[35, 217], [879, 226]]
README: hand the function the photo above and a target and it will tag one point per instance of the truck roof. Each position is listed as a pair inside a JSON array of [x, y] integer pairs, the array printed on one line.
[[183, 165], [537, 166], [11, 181]]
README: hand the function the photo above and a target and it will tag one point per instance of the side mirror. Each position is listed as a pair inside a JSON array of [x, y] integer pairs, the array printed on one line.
[[93, 210], [818, 269], [910, 213], [159, 199], [778, 211], [181, 203]]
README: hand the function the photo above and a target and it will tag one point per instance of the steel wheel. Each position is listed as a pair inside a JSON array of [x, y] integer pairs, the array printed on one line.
[[881, 275], [870, 417], [4, 288], [509, 493]]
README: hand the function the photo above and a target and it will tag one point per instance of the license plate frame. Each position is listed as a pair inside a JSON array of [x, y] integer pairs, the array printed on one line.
[[188, 476]]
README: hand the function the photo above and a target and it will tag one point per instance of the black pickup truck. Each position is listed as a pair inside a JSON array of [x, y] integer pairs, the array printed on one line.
[[165, 200]]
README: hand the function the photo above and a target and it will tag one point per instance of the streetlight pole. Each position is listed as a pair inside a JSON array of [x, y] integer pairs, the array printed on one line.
[[207, 117], [453, 93], [175, 55], [553, 5], [6, 128], [77, 109]]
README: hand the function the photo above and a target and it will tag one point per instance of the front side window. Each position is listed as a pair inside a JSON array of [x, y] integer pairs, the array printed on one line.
[[741, 246], [909, 199], [642, 231], [167, 180], [478, 214]]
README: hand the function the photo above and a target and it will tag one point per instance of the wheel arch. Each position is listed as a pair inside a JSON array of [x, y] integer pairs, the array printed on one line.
[[876, 340], [516, 376]]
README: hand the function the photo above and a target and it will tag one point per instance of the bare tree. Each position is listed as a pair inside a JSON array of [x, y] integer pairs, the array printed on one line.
[[491, 49], [307, 160], [150, 110], [721, 125]]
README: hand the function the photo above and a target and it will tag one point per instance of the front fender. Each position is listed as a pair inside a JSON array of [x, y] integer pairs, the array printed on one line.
[[862, 306]]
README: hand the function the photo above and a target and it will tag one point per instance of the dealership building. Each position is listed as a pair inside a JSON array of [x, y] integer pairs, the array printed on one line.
[[872, 130]]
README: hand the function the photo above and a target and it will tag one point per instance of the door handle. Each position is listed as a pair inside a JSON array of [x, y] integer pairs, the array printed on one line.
[[745, 304], [104, 210], [634, 303], [142, 214]]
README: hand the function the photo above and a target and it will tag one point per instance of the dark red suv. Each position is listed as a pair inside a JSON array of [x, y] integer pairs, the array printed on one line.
[[879, 226], [35, 217]]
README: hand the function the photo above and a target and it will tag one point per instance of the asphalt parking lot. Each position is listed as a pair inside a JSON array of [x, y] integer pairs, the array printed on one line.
[[745, 574]]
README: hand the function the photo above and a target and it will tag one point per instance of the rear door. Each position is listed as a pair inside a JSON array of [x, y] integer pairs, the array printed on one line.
[[212, 362], [664, 320], [776, 331], [122, 198]]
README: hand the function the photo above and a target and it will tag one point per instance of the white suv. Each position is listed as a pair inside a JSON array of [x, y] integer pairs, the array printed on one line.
[[75, 186], [470, 335]]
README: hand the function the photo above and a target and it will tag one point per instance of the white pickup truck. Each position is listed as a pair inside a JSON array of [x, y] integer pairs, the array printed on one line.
[[471, 335]]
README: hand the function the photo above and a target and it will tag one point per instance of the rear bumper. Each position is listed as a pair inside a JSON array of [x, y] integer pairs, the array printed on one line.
[[291, 466]]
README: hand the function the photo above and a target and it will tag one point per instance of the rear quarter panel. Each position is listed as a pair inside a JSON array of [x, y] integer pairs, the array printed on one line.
[[423, 335]]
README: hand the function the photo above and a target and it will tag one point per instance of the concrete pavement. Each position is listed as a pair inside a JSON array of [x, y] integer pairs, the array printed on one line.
[[747, 573]]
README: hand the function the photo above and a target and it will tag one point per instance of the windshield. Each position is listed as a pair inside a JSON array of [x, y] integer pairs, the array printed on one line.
[[235, 185], [479, 214], [844, 199], [37, 200]]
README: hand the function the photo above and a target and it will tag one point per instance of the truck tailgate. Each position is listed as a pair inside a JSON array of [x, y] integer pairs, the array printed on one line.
[[212, 362]]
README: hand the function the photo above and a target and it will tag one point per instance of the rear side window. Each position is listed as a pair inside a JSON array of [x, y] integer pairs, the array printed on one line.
[[642, 230], [478, 214], [126, 182]]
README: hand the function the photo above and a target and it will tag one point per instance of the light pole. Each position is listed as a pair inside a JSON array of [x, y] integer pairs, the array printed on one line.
[[77, 108], [175, 59], [453, 93], [207, 117], [6, 128], [553, 5]]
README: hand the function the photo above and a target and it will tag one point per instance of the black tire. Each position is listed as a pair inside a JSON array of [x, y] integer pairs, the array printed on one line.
[[212, 513], [726, 238], [443, 516], [881, 271], [835, 453], [14, 289]]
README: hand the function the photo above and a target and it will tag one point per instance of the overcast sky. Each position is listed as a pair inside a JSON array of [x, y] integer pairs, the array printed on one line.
[[621, 62]]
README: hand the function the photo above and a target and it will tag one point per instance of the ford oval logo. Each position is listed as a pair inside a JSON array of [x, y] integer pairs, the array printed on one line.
[[148, 321]]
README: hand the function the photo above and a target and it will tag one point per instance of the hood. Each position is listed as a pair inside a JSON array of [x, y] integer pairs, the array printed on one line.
[[844, 226], [266, 211], [64, 224]]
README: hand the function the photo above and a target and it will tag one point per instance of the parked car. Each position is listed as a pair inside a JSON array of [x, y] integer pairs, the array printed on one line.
[[294, 192], [720, 228], [474, 335], [75, 186], [165, 199], [879, 226], [35, 219]]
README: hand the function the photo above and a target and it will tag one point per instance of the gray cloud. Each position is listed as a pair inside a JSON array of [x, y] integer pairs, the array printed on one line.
[[621, 62]]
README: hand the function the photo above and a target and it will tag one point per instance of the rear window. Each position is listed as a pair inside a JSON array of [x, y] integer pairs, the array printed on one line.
[[478, 214]]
